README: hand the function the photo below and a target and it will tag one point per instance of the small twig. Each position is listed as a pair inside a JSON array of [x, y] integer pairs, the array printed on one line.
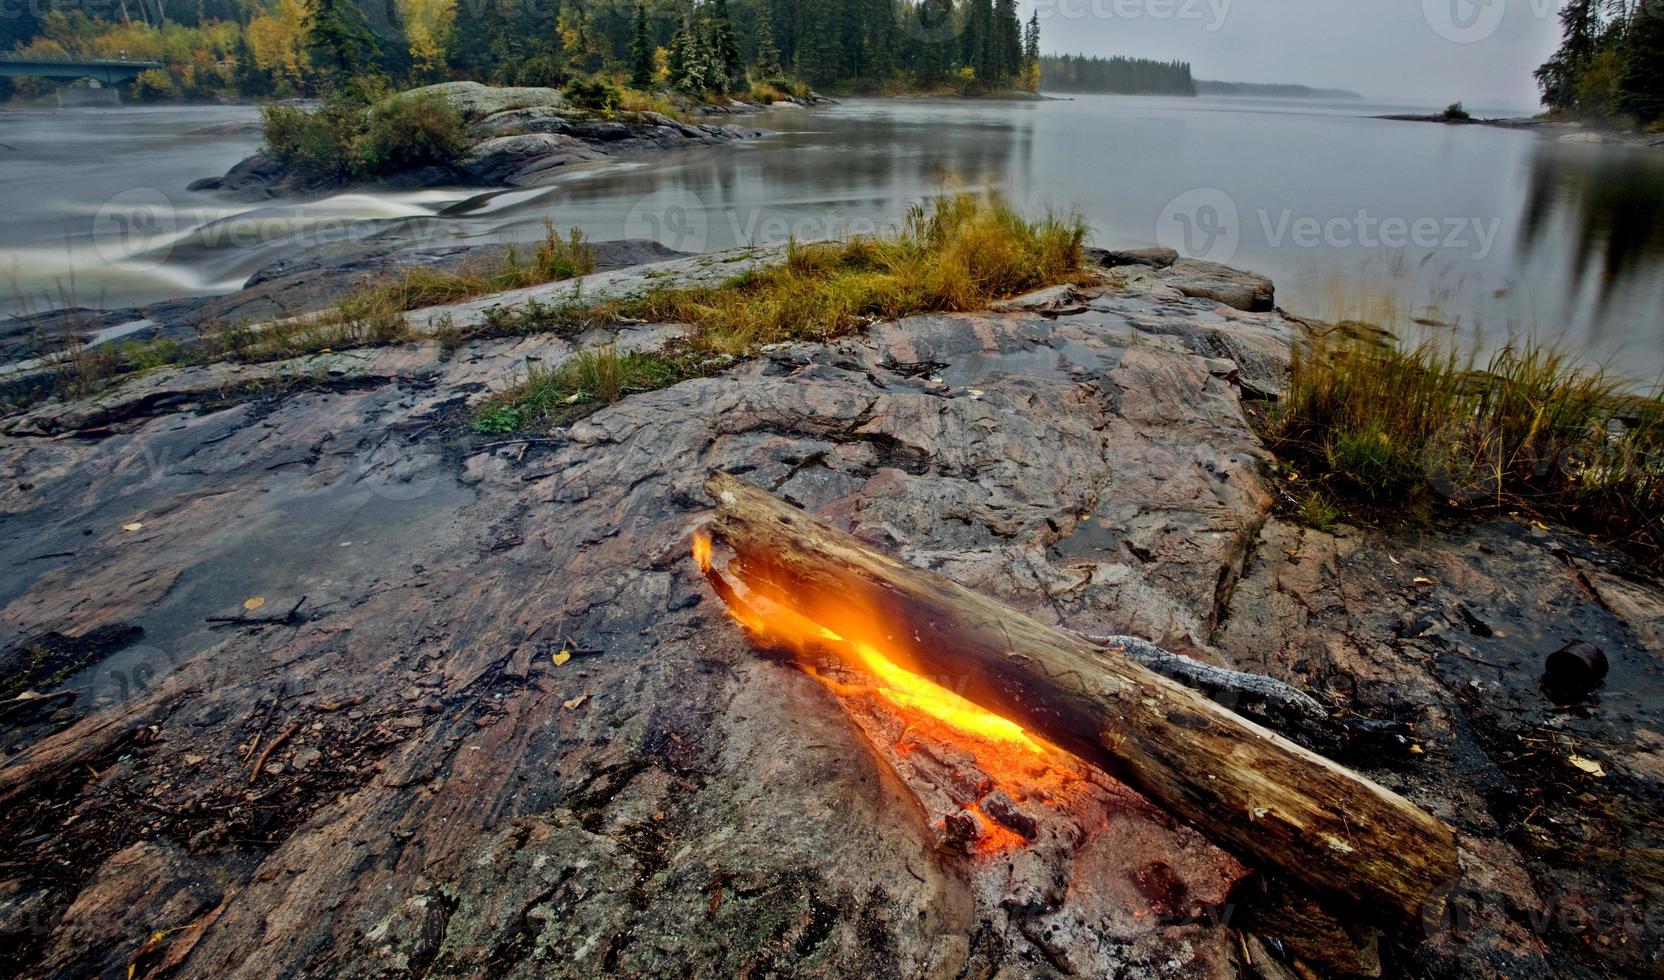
[[271, 747], [331, 706], [528, 441], [1482, 662]]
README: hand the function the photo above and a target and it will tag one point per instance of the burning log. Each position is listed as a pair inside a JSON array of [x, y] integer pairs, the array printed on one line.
[[1258, 793]]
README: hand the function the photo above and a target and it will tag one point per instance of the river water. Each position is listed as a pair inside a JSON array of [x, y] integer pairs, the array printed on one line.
[[1488, 233]]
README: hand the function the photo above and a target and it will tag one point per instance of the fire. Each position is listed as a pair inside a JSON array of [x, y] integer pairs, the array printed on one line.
[[1016, 761], [909, 690]]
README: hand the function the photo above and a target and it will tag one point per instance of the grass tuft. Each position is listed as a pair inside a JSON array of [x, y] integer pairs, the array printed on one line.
[[1530, 430], [588, 381]]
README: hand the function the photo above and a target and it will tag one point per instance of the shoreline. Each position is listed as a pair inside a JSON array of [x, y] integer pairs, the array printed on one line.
[[1564, 132]]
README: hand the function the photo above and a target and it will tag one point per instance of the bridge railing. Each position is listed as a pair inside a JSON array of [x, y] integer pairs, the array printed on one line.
[[69, 59]]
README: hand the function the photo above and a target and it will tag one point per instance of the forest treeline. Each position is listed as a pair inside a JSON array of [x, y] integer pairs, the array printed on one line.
[[297, 47], [1610, 65], [1122, 76]]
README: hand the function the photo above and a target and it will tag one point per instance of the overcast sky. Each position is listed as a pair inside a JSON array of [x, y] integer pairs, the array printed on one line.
[[1422, 51]]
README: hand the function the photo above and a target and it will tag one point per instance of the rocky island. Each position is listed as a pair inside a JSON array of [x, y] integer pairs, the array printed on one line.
[[515, 137], [312, 676]]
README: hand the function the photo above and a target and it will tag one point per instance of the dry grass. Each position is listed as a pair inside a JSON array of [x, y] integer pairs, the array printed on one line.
[[374, 315], [960, 253], [635, 100], [1529, 430]]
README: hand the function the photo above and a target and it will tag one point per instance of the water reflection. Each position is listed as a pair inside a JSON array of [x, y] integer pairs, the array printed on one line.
[[1601, 214]]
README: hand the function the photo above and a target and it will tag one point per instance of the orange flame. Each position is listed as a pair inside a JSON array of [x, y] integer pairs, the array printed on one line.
[[1012, 757]]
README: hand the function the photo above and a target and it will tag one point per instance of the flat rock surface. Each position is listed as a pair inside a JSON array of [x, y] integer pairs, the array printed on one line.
[[305, 283], [346, 741]]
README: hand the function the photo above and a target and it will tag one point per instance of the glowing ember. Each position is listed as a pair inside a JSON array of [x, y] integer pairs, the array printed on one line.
[[1017, 764], [909, 690]]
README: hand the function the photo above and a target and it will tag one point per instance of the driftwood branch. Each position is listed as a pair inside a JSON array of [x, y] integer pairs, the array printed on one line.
[[1267, 798]]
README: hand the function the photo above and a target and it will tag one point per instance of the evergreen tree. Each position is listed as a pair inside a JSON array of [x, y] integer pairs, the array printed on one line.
[[1580, 24], [819, 50], [1031, 54], [641, 51], [1008, 42], [679, 55], [767, 62], [249, 77], [881, 43], [386, 25], [696, 67], [978, 43], [339, 36], [719, 31], [1641, 84], [934, 56], [480, 38]]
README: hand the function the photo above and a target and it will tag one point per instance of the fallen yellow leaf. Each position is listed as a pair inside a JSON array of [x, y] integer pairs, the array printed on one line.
[[135, 526], [254, 603], [576, 702], [1424, 581], [1589, 766], [562, 657]]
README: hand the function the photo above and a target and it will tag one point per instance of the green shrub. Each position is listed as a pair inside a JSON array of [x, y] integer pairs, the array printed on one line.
[[542, 71], [593, 94], [1456, 112], [154, 85], [407, 133], [344, 140]]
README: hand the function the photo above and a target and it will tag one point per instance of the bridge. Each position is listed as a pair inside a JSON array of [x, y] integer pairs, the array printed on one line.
[[70, 68]]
